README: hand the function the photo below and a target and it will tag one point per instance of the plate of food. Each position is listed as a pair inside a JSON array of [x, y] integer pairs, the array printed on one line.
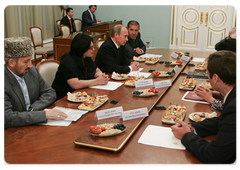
[[93, 103], [173, 63], [131, 79], [77, 97], [145, 93], [117, 76], [162, 74], [107, 129], [201, 66], [139, 59], [152, 60], [200, 116], [206, 85], [187, 84], [174, 113]]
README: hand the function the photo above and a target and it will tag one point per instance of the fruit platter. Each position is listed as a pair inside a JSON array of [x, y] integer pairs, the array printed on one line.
[[107, 129], [145, 93], [152, 60], [162, 74], [131, 79], [201, 66], [77, 97], [206, 85], [200, 116], [116, 76], [173, 63], [187, 84], [93, 103], [174, 113], [139, 59]]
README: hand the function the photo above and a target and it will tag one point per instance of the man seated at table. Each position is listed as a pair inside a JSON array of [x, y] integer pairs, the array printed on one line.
[[88, 17], [25, 91], [111, 55], [68, 20], [134, 46], [222, 76], [228, 43]]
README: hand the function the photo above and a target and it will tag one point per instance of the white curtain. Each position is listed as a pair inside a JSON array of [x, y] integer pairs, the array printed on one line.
[[18, 20]]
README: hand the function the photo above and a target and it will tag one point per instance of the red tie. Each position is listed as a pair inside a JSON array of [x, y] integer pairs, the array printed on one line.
[[71, 25]]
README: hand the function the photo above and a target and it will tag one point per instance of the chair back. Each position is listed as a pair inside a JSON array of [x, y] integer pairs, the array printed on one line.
[[58, 26], [77, 24], [48, 69], [99, 42], [36, 35], [65, 30]]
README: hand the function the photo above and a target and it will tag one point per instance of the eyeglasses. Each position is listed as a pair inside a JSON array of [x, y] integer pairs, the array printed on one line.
[[91, 48]]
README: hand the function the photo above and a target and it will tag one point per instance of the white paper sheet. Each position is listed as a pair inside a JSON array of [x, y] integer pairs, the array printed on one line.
[[160, 136], [150, 55], [56, 123], [139, 74], [110, 86], [198, 60], [73, 114], [195, 101]]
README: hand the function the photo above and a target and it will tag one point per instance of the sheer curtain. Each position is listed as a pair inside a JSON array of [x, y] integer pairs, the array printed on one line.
[[18, 20]]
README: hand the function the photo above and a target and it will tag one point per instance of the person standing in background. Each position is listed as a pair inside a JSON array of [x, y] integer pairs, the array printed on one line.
[[88, 17], [68, 20]]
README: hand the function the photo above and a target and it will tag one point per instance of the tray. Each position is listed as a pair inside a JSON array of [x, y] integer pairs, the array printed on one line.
[[136, 95], [171, 122], [102, 136], [213, 114], [93, 108], [165, 74]]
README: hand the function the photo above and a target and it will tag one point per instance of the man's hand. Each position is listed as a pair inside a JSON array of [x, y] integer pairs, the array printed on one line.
[[135, 66], [55, 114], [138, 50], [180, 129]]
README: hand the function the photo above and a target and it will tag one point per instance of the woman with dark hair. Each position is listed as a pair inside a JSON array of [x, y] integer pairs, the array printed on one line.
[[77, 69]]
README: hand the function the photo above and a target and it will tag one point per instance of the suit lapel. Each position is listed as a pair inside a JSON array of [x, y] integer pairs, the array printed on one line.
[[16, 87]]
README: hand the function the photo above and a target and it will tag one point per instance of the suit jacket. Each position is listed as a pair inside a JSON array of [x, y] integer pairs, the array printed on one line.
[[131, 44], [110, 59], [65, 21], [87, 20], [223, 148], [40, 93]]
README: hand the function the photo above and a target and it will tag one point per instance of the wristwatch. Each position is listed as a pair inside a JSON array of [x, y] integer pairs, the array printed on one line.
[[30, 109]]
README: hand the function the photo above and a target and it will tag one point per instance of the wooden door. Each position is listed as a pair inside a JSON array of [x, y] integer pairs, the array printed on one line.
[[200, 27]]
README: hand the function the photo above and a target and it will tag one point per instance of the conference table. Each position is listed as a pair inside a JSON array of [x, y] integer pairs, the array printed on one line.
[[40, 144]]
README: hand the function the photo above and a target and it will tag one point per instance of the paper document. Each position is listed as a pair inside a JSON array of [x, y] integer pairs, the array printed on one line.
[[73, 114], [139, 74], [193, 98], [198, 60], [56, 123], [110, 86], [160, 136], [150, 55]]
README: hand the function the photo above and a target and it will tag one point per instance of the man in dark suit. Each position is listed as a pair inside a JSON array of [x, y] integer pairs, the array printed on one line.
[[88, 17], [222, 76], [26, 94], [111, 56], [134, 45], [68, 20]]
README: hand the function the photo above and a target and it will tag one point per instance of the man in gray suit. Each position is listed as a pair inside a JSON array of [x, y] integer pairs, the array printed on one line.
[[25, 91]]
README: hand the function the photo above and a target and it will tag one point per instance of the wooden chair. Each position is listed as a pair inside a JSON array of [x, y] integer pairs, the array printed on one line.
[[37, 39], [77, 24], [99, 42], [65, 30], [58, 22], [48, 69]]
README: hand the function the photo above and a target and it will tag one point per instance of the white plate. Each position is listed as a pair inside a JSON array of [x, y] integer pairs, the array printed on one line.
[[213, 114]]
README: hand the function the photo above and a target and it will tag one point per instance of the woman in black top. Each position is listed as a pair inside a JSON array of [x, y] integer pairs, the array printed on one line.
[[77, 69]]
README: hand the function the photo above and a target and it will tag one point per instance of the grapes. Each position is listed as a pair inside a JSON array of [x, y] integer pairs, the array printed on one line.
[[137, 93]]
